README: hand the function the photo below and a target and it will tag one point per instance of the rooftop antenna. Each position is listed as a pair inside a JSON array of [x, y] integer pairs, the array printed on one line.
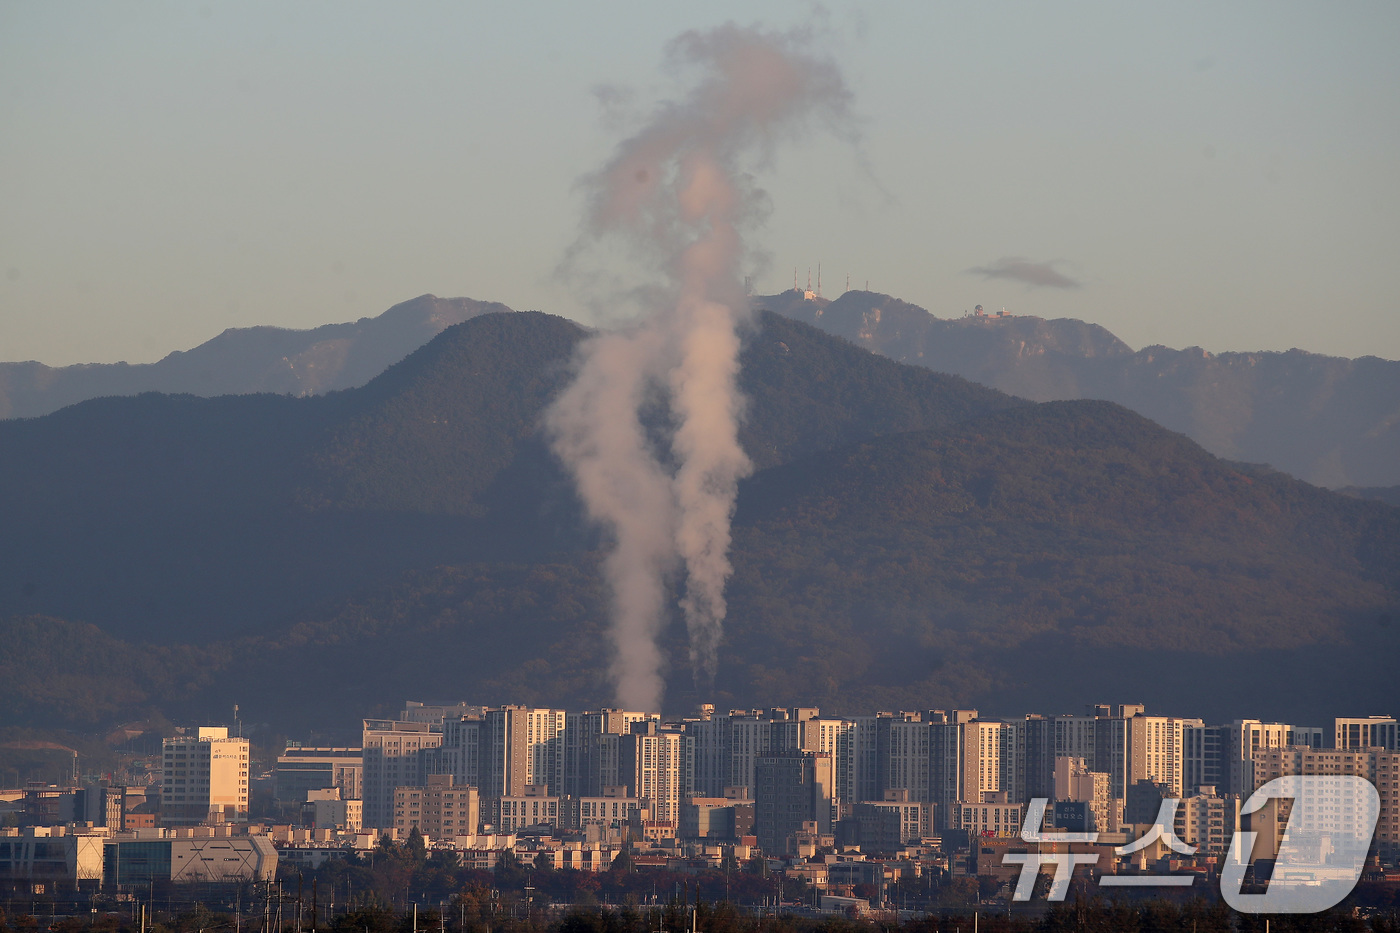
[[238, 726]]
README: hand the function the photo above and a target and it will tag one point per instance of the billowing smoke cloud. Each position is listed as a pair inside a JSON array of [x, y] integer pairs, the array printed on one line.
[[678, 195], [1020, 269]]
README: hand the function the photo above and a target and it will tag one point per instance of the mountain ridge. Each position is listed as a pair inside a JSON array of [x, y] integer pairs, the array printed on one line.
[[247, 360], [909, 539], [1329, 420]]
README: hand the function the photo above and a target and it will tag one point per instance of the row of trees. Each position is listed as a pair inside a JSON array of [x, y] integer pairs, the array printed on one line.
[[1157, 916]]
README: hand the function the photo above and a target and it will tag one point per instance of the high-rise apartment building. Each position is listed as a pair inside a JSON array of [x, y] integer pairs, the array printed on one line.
[[1223, 756], [990, 759], [521, 746], [834, 737], [1157, 751], [903, 744], [460, 752], [1371, 732], [393, 757], [1112, 747], [581, 730], [792, 788], [658, 765], [728, 746], [1379, 766], [948, 760]]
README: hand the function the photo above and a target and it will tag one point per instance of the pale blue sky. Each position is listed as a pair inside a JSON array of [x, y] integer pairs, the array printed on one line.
[[1226, 175]]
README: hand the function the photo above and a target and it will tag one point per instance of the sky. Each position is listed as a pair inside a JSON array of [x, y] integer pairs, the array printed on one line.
[[1187, 174]]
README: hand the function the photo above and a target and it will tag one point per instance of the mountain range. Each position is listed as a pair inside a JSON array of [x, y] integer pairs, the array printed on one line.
[[1334, 422], [909, 539], [246, 360]]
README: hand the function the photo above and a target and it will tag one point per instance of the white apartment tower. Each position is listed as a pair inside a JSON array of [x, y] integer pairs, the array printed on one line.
[[659, 767]]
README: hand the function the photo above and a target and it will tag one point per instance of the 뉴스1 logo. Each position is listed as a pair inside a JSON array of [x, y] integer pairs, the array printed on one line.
[[1326, 836]]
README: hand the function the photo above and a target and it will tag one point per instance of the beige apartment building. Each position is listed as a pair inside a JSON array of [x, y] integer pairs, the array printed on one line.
[[1074, 782], [1208, 820], [1380, 766], [438, 808], [1157, 751]]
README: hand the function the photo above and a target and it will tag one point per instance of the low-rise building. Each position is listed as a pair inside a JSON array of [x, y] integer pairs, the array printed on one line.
[[715, 818], [886, 825], [328, 810], [304, 769], [72, 858], [51, 855], [437, 808], [536, 807], [996, 816]]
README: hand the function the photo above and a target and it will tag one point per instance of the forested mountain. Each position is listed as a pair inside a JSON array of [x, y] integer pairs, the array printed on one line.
[[156, 515], [910, 539], [1331, 421], [246, 360]]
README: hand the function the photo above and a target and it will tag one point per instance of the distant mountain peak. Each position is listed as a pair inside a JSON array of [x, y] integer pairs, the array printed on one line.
[[244, 360]]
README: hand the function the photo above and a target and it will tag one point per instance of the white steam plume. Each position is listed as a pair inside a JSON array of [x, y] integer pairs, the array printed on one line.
[[677, 194]]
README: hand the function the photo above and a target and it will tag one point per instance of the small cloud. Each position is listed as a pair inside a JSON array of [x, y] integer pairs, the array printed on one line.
[[1020, 269]]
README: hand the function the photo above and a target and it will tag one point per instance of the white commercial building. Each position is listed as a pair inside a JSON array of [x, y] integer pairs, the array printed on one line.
[[205, 778]]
